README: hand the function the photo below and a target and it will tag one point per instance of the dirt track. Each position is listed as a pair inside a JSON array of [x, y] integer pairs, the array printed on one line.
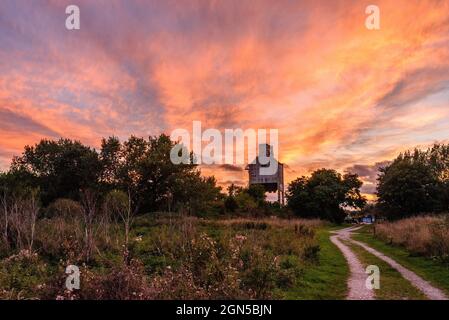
[[357, 278]]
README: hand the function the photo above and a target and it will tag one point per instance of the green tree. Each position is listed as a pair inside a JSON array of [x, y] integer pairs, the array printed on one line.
[[438, 157], [139, 167], [257, 192], [59, 168], [245, 202], [144, 169], [230, 203], [413, 183], [245, 199], [325, 194]]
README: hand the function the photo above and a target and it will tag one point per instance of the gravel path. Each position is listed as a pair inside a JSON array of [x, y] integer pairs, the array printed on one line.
[[430, 291], [356, 281], [357, 278]]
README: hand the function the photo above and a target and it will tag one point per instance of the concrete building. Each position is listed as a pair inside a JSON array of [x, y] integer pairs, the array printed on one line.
[[271, 183]]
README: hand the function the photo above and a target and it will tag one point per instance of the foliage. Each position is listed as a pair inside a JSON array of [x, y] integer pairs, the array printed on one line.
[[144, 169], [64, 208], [176, 258], [427, 236], [250, 200], [22, 276], [415, 182], [324, 194], [139, 167], [60, 168]]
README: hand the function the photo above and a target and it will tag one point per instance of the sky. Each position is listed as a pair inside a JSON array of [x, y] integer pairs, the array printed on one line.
[[341, 96]]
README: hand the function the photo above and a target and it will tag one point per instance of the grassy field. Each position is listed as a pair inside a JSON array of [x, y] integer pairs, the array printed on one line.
[[179, 257], [326, 279], [433, 270], [173, 257]]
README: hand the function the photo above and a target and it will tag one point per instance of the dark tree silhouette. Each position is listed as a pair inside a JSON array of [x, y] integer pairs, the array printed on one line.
[[325, 194]]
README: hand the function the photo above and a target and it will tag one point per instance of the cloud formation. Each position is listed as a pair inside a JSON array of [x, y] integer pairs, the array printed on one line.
[[368, 174]]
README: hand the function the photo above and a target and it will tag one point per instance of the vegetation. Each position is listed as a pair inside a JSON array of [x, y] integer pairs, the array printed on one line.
[[326, 279], [435, 271], [325, 194], [169, 257], [64, 203], [141, 227], [415, 182], [392, 285], [426, 236], [138, 167]]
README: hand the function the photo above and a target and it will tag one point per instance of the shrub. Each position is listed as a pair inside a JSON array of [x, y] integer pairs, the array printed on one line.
[[259, 271], [122, 282], [65, 208], [22, 275], [60, 237], [177, 284], [171, 257], [289, 270]]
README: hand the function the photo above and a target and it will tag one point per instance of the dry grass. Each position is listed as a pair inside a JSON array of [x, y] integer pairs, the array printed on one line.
[[172, 257], [273, 222], [427, 235]]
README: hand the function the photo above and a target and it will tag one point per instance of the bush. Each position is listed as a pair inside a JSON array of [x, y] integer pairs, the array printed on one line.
[[22, 276], [170, 258], [60, 237], [259, 271], [289, 270], [65, 208]]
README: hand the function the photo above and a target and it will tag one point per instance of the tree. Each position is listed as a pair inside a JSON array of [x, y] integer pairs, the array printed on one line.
[[139, 167], [325, 194], [245, 202], [59, 168], [230, 203], [19, 208], [110, 157], [246, 199], [144, 169], [257, 192], [202, 194], [119, 204], [415, 182], [438, 157], [89, 202]]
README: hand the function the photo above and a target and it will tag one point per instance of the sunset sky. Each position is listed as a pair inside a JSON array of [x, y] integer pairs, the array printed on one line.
[[342, 96]]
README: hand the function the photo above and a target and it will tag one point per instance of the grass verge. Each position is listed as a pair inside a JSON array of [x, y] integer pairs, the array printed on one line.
[[437, 273], [392, 285], [328, 279]]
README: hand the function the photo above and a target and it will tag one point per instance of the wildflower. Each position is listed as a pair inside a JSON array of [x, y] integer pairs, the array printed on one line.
[[240, 237]]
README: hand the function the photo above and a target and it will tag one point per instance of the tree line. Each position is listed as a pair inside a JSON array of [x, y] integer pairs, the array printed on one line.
[[66, 179], [415, 182], [139, 167]]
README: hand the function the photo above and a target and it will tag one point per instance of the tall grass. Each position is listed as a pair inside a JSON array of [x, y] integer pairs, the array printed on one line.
[[170, 257], [273, 222], [427, 235]]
